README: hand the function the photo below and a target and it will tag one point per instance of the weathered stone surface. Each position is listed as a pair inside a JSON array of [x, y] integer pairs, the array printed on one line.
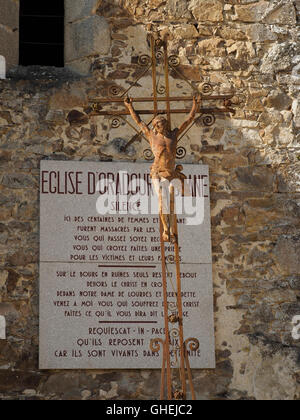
[[186, 31], [289, 178], [72, 133], [178, 9], [81, 66], [283, 13], [236, 34], [287, 252], [212, 46], [278, 100], [9, 46], [64, 100], [85, 38], [271, 370], [191, 72], [281, 54], [9, 14], [19, 258], [77, 118], [9, 311], [59, 383], [253, 179], [76, 9], [234, 161], [14, 382], [255, 184], [207, 10], [57, 117], [260, 33], [253, 12], [5, 116], [17, 180]]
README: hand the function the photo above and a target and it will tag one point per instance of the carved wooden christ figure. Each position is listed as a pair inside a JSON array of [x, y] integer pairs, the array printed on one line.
[[163, 143]]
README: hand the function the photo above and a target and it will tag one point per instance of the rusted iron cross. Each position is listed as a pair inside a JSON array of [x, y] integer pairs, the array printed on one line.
[[159, 52], [173, 314]]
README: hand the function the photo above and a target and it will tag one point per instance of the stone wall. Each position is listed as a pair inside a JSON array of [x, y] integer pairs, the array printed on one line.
[[249, 46], [9, 31], [86, 35]]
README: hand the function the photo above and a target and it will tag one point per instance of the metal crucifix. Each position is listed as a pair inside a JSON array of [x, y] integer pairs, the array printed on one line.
[[163, 142], [161, 94]]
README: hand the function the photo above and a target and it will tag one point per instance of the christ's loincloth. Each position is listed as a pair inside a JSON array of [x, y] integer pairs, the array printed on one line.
[[163, 179]]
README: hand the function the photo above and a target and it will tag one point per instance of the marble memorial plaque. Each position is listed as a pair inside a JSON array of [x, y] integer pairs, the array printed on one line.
[[100, 270]]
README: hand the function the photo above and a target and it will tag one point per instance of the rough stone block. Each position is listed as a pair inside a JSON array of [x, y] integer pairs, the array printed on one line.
[[186, 31], [207, 10], [282, 14], [278, 58], [260, 33], [17, 181], [253, 12], [78, 9], [287, 254], [289, 179], [9, 15], [178, 8], [278, 100], [252, 179], [85, 38], [81, 66]]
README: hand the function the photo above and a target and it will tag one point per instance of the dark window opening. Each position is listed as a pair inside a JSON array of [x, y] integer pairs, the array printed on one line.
[[41, 33]]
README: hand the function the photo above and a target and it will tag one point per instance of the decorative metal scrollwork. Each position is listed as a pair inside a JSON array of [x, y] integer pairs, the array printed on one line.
[[172, 306], [174, 333], [114, 90], [174, 61], [144, 60], [115, 122], [155, 345], [207, 89], [208, 120], [171, 259], [161, 89], [159, 55], [180, 152], [192, 343], [148, 155]]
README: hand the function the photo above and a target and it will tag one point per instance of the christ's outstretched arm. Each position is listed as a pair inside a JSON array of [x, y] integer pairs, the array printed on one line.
[[185, 125], [136, 118]]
